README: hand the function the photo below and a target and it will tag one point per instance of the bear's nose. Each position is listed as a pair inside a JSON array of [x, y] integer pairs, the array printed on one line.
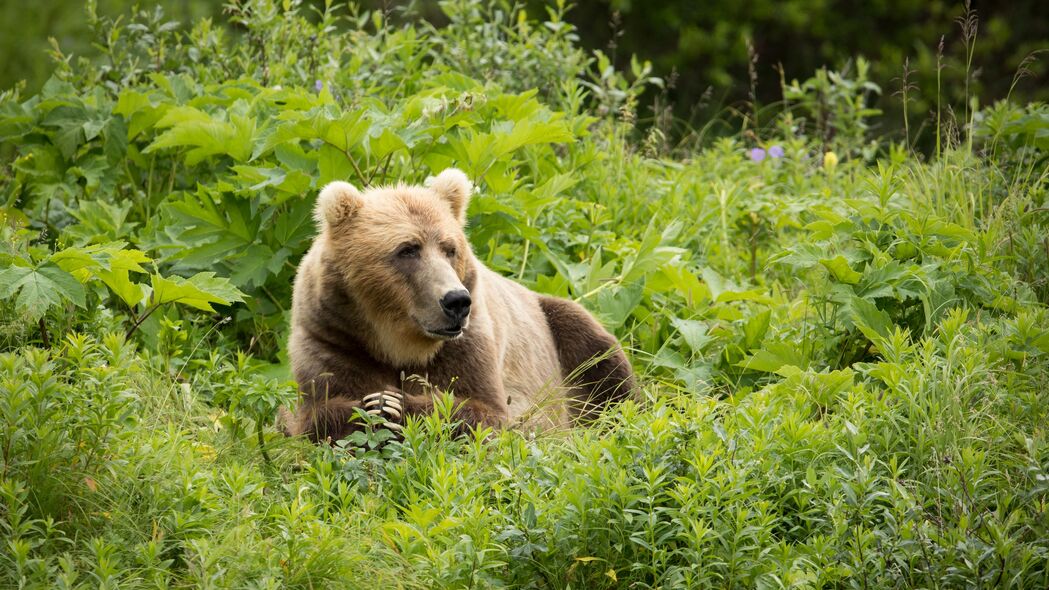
[[456, 304]]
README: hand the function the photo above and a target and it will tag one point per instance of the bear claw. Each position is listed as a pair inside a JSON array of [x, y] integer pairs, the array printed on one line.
[[387, 404]]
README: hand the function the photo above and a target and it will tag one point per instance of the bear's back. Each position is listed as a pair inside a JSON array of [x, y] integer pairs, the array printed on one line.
[[531, 373]]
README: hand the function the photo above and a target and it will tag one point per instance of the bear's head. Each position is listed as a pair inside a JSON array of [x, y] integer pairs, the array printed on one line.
[[402, 257]]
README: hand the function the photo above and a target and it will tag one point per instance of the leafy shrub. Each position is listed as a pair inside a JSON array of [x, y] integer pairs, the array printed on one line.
[[842, 364]]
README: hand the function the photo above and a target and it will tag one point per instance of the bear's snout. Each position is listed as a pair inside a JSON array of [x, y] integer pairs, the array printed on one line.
[[456, 305]]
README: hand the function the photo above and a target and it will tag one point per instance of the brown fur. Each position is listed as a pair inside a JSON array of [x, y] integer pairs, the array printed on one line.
[[363, 315], [600, 373]]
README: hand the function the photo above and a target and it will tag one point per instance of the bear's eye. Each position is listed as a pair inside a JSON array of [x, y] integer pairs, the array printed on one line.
[[450, 252], [408, 251]]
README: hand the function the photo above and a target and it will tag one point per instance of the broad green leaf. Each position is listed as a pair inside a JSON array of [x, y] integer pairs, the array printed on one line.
[[11, 279], [68, 122], [385, 144], [16, 120], [678, 279], [573, 273], [775, 357], [40, 288], [840, 269], [74, 260], [722, 290], [255, 179], [199, 291], [803, 255], [755, 329], [253, 268], [121, 264], [119, 282], [649, 254], [217, 286], [204, 135], [874, 323], [345, 133], [615, 305], [694, 332], [764, 361], [333, 164], [530, 132], [138, 110], [516, 106], [110, 263], [715, 282]]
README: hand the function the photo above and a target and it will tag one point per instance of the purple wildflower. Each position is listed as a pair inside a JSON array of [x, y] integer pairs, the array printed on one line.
[[318, 85], [776, 151], [757, 155]]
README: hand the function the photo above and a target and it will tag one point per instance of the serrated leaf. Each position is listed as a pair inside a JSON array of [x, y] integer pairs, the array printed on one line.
[[204, 135], [199, 291], [40, 288], [110, 263], [138, 110], [120, 284], [121, 264], [530, 132], [73, 260], [68, 121], [253, 268], [11, 279], [346, 132], [386, 143]]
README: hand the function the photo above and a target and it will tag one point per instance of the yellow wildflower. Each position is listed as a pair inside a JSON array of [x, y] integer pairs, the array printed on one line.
[[830, 160], [206, 451]]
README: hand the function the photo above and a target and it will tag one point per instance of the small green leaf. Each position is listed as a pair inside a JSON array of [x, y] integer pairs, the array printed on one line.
[[755, 329], [775, 357]]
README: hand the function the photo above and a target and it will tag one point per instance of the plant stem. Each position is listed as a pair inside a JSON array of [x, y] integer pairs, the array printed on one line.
[[43, 333], [353, 162], [262, 443], [139, 321]]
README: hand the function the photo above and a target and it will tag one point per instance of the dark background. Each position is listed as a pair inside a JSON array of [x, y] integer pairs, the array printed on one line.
[[700, 48], [705, 42]]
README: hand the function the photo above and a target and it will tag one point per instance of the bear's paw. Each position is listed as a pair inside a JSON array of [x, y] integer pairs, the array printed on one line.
[[388, 405]]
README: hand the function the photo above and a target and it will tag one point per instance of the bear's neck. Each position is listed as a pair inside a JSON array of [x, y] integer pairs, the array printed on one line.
[[386, 339], [400, 346]]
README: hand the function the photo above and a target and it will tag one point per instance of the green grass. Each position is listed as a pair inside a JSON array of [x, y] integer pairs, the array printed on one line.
[[843, 366]]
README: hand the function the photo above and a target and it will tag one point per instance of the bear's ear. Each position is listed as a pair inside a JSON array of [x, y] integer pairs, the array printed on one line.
[[338, 202], [453, 186]]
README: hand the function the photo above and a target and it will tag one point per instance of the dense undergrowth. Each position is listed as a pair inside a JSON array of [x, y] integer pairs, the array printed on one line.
[[844, 345]]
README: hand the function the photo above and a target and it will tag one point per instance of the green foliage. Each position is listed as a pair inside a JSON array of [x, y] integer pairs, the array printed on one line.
[[843, 348], [924, 54], [104, 269], [837, 105]]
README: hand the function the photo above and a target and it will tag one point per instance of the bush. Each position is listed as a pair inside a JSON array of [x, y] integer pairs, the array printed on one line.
[[842, 345]]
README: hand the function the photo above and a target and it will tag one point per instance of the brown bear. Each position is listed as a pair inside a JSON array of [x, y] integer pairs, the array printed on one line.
[[390, 288]]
